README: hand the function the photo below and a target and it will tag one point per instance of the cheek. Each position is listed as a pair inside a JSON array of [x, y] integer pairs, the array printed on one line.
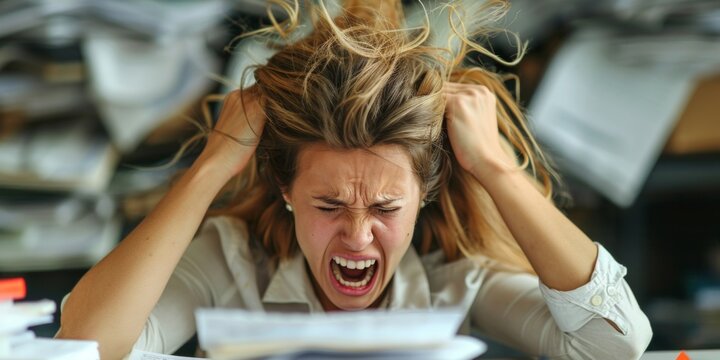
[[314, 235], [396, 234]]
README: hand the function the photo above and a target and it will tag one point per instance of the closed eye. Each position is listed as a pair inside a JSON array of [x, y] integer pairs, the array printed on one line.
[[387, 211], [381, 211]]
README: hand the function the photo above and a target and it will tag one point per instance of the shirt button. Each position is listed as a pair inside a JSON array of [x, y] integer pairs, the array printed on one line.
[[611, 291], [596, 300]]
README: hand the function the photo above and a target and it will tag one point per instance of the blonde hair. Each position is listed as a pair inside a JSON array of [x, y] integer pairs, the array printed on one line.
[[367, 78]]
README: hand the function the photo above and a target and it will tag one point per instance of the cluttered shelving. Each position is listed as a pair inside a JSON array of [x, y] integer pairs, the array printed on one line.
[[90, 93], [95, 94]]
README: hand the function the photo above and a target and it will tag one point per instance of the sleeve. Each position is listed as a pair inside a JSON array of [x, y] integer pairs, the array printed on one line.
[[199, 280], [515, 309]]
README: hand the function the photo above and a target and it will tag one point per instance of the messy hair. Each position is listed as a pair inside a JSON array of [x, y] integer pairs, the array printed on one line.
[[367, 77]]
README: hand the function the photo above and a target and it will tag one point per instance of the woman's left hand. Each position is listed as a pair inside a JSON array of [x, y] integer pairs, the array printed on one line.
[[561, 255], [472, 126]]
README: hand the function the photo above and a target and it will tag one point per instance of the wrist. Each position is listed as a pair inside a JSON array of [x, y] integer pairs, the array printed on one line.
[[211, 170], [489, 171]]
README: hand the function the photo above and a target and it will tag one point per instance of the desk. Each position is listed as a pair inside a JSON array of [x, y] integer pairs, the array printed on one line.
[[672, 355]]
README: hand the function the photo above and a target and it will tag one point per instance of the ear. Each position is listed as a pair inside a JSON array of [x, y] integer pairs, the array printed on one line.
[[285, 194], [423, 197]]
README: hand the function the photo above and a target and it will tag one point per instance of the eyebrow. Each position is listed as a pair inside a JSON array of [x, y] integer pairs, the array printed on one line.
[[337, 202]]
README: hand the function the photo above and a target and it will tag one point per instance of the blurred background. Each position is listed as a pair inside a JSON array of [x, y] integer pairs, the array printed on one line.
[[623, 94]]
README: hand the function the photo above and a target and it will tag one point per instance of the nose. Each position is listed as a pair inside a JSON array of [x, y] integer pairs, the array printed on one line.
[[357, 232]]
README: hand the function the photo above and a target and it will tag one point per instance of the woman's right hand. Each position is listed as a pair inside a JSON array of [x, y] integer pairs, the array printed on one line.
[[237, 132]]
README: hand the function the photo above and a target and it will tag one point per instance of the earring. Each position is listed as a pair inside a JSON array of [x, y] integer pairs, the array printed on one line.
[[422, 204], [288, 207]]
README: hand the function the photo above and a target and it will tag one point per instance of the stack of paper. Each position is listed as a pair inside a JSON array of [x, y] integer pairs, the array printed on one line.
[[19, 343], [606, 108], [700, 16], [238, 334], [139, 85], [46, 234], [63, 157]]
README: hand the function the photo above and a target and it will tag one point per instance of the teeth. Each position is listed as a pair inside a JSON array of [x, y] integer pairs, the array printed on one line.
[[352, 264], [361, 283]]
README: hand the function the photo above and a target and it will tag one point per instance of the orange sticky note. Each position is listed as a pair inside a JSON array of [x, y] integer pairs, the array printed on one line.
[[13, 288], [682, 356]]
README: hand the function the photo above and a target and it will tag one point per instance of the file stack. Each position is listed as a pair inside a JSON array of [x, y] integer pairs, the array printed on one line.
[[371, 334], [17, 342]]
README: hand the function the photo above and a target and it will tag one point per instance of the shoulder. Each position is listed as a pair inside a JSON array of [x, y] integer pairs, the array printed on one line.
[[224, 227], [449, 283], [223, 231], [444, 272], [220, 240], [464, 279]]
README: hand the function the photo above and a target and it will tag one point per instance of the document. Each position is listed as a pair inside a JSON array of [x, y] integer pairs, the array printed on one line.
[[53, 349], [398, 334], [605, 108], [64, 156], [146, 355]]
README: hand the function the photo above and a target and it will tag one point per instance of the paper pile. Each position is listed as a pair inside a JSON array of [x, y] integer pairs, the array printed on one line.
[[40, 233], [410, 334], [19, 343], [608, 103]]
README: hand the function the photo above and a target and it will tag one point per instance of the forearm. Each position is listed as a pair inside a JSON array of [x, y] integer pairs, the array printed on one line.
[[113, 300], [560, 253]]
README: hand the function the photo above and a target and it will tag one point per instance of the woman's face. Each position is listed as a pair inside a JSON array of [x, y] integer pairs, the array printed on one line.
[[355, 212]]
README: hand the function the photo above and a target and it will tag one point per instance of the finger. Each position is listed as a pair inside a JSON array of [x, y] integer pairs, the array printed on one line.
[[452, 87], [466, 88], [460, 86], [453, 91]]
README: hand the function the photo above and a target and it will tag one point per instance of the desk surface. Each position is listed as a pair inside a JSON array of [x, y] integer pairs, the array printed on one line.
[[672, 355]]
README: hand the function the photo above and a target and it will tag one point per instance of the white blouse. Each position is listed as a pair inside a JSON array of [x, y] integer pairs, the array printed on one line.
[[221, 269]]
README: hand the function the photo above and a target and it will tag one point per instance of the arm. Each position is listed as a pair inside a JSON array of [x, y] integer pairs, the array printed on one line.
[[559, 252], [202, 278], [582, 290], [112, 301], [510, 308]]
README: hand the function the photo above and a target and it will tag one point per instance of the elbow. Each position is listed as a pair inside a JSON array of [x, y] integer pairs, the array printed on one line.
[[599, 340], [74, 326], [633, 344], [105, 349], [69, 331], [108, 347], [68, 328]]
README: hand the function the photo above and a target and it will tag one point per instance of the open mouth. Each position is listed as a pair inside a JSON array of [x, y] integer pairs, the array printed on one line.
[[353, 277]]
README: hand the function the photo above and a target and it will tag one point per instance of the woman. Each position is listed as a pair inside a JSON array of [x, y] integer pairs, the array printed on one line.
[[374, 171]]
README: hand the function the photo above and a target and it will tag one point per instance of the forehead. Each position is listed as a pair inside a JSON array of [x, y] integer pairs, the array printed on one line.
[[379, 170]]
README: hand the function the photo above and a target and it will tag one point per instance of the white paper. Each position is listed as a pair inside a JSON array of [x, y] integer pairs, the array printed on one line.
[[16, 322], [460, 347], [234, 334], [607, 118], [138, 85], [54, 349], [27, 212], [63, 157], [80, 243], [146, 355], [168, 20]]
